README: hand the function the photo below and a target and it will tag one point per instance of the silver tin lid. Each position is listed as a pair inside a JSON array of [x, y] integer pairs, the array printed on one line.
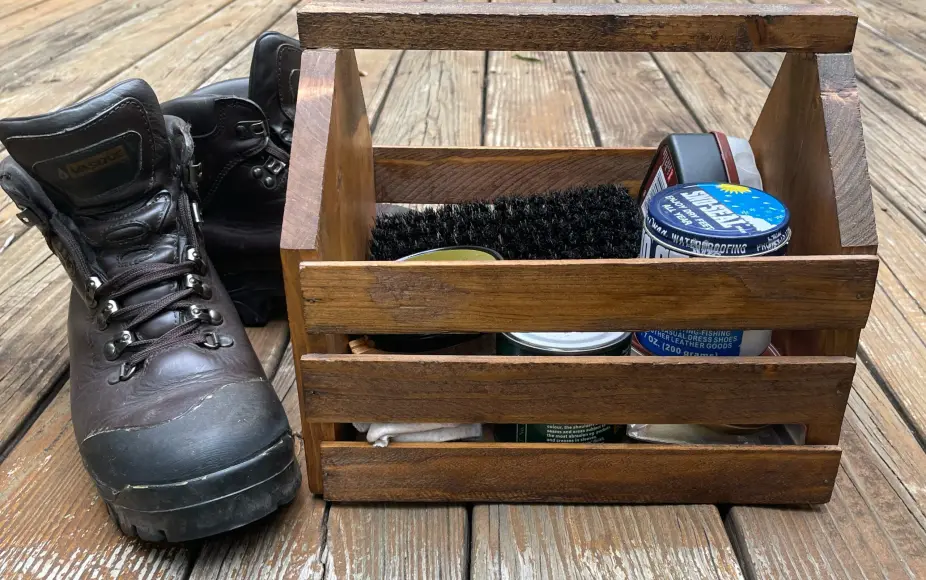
[[571, 342]]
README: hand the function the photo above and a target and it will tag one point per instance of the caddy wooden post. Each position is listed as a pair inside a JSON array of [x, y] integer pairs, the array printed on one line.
[[811, 154], [329, 204]]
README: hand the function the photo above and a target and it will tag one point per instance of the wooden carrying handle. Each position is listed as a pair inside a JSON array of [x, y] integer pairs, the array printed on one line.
[[595, 27]]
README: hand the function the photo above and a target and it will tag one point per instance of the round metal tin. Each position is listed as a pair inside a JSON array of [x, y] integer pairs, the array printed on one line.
[[423, 343], [565, 343], [561, 344], [714, 219], [711, 220], [454, 254]]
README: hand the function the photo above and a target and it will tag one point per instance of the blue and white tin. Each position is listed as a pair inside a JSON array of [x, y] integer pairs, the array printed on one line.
[[711, 220]]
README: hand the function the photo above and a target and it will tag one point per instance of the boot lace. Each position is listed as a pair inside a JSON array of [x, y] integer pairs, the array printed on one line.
[[192, 330]]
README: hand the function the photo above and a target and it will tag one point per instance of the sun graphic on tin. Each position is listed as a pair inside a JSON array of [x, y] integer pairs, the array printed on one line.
[[730, 188]]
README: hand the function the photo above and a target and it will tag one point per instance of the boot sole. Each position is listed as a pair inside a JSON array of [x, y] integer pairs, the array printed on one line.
[[211, 504]]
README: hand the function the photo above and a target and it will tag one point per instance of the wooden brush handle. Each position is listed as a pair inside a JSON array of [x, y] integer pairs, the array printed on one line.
[[595, 27]]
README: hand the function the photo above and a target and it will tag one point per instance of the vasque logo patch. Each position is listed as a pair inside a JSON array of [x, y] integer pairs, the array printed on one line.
[[96, 162], [87, 175]]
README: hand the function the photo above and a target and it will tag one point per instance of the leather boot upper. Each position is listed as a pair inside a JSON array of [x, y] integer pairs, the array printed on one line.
[[164, 382], [242, 129]]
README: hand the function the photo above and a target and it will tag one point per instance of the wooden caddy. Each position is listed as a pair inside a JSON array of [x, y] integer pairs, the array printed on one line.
[[809, 147]]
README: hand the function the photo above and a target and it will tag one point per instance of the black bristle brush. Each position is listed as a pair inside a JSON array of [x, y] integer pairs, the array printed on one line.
[[580, 223]]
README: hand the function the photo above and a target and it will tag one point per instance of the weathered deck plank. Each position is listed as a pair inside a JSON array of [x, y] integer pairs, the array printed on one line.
[[34, 292], [435, 100], [632, 108], [875, 525], [100, 60], [901, 21], [600, 543], [8, 7], [43, 17], [397, 541]]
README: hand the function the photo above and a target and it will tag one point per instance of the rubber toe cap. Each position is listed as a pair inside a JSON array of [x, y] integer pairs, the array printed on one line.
[[234, 423]]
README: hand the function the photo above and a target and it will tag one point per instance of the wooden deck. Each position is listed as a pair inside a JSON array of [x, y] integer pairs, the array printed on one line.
[[52, 525]]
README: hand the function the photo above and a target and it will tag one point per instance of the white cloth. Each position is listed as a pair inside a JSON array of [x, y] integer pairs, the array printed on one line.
[[379, 434]]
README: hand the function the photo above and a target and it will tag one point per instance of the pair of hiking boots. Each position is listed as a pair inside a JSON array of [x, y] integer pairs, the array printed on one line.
[[167, 219]]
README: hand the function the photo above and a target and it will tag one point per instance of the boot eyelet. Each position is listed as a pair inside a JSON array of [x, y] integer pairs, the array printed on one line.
[[287, 137], [257, 172], [275, 166], [93, 284], [197, 312], [126, 371], [193, 255], [27, 216], [269, 182], [198, 286], [212, 340], [110, 307], [203, 314], [115, 347], [197, 215]]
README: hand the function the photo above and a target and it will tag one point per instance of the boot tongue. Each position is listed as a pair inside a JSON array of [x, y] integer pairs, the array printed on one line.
[[106, 152], [274, 80]]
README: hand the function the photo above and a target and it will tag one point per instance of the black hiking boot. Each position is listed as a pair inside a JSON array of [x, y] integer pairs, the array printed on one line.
[[175, 420], [243, 129]]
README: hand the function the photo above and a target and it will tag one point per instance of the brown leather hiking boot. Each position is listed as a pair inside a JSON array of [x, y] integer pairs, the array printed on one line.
[[175, 420], [243, 131]]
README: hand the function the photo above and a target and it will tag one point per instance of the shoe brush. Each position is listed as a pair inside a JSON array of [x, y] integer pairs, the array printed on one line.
[[580, 223]]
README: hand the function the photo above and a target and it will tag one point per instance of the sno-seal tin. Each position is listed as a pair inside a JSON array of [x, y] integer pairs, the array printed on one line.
[[711, 220], [561, 344]]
